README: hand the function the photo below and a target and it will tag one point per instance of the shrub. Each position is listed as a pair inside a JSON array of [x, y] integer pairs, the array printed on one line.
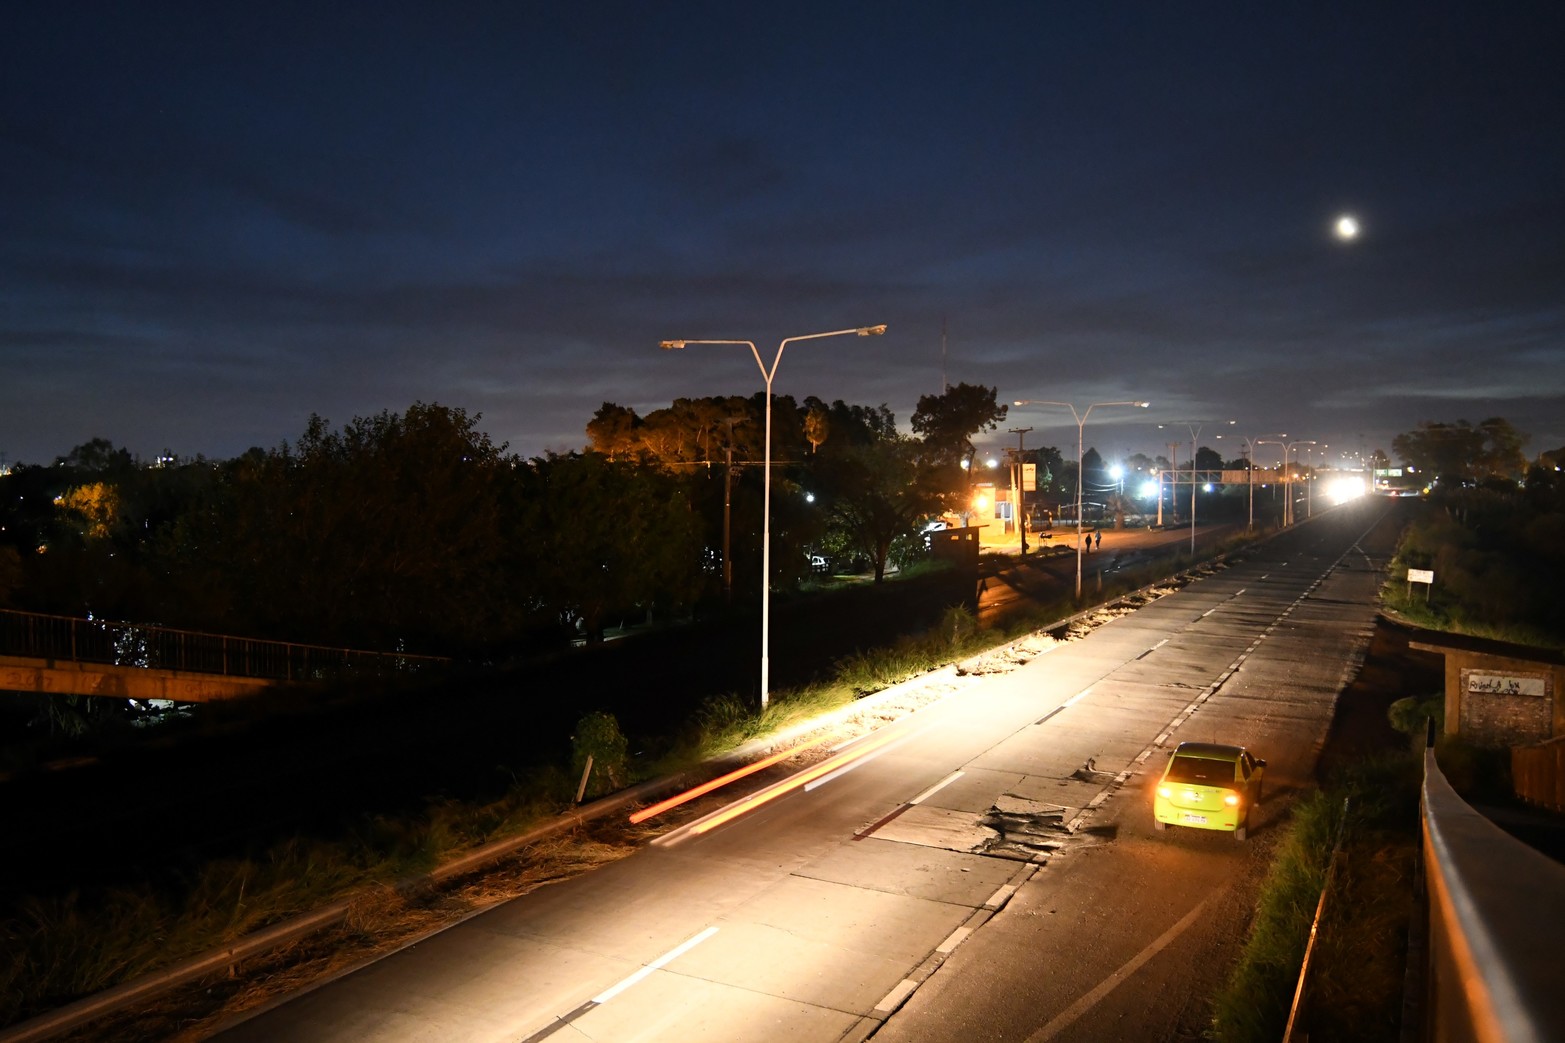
[[597, 735]]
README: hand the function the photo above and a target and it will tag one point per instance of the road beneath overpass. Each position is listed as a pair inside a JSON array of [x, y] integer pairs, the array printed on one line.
[[986, 869]]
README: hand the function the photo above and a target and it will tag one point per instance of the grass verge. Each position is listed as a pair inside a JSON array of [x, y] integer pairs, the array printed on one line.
[[1355, 987]]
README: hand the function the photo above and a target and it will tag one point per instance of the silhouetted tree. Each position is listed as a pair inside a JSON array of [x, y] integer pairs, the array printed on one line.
[[607, 537]]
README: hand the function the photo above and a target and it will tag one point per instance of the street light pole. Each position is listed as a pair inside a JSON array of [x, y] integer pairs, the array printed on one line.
[[766, 505], [1291, 446], [1081, 425], [1194, 427], [1283, 474]]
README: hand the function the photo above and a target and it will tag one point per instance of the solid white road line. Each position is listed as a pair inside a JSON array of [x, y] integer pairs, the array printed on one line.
[[673, 954]]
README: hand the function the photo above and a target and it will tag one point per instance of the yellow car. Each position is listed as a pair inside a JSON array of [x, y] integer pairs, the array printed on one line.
[[1208, 786]]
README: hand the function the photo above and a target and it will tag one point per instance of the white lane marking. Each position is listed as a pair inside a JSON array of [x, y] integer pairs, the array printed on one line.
[[1079, 695], [1001, 896], [957, 937], [673, 954], [1208, 612], [840, 772], [1068, 1016], [895, 997], [937, 787]]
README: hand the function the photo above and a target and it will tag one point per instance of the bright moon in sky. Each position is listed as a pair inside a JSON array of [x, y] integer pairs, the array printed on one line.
[[1347, 227]]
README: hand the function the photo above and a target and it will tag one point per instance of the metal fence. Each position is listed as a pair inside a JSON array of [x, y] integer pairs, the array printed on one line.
[[70, 639]]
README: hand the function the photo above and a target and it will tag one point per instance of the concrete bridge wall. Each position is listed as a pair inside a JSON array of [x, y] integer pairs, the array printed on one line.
[[19, 674]]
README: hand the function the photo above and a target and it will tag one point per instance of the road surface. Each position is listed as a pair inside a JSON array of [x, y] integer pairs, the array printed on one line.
[[984, 869]]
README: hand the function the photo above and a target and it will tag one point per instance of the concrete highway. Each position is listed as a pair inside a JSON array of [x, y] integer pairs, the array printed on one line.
[[984, 869]]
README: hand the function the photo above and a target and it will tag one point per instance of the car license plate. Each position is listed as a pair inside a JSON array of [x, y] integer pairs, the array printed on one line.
[[1199, 820]]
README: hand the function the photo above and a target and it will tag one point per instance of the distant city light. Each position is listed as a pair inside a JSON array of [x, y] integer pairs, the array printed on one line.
[[1345, 488]]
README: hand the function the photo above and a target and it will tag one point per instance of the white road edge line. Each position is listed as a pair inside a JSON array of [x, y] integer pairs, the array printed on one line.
[[895, 997], [840, 772], [937, 787], [956, 937], [1001, 896], [673, 954]]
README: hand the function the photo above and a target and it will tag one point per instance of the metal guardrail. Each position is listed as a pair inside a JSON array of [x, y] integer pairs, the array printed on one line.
[[1292, 1030], [1538, 773], [1496, 908], [74, 640]]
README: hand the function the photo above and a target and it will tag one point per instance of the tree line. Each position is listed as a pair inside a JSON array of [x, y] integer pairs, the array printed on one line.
[[414, 531]]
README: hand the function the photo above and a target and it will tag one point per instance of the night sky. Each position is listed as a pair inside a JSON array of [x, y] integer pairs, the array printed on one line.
[[217, 219]]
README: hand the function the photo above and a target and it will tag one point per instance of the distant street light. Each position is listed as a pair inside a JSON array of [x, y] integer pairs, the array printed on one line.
[[1291, 445], [1081, 424], [766, 506], [1194, 427], [1249, 454]]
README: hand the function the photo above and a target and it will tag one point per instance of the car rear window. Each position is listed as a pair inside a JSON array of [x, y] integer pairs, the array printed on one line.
[[1201, 770]]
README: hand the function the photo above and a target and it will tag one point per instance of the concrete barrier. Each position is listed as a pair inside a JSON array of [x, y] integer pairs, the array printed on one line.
[[1496, 912]]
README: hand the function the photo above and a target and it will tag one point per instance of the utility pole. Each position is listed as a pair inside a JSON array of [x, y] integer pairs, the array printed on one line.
[[728, 501], [1017, 492]]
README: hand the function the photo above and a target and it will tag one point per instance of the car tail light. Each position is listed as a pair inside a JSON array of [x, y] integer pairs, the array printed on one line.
[[1231, 799], [1165, 792]]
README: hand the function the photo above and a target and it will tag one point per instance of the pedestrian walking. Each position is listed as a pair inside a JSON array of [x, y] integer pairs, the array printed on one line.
[[1100, 539]]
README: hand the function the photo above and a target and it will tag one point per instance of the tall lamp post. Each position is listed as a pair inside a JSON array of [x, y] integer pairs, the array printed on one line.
[[1249, 471], [1194, 427], [1282, 475], [1081, 424], [1291, 446], [767, 373]]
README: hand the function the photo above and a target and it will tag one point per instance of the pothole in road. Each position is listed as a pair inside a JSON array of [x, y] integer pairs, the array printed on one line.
[[1024, 830]]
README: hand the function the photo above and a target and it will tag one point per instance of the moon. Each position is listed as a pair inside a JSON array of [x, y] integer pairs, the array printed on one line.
[[1347, 228]]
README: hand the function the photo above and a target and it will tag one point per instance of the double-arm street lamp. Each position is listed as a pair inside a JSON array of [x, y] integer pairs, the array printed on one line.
[[767, 373], [1081, 424], [1289, 486], [1249, 455], [1194, 427]]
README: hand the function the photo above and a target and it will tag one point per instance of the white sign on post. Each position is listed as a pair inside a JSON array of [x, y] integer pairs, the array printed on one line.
[[1424, 576]]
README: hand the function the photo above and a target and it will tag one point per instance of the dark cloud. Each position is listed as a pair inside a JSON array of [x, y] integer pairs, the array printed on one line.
[[220, 220]]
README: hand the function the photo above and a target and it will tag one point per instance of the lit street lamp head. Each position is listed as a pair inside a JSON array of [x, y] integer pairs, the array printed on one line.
[[871, 331], [670, 344]]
